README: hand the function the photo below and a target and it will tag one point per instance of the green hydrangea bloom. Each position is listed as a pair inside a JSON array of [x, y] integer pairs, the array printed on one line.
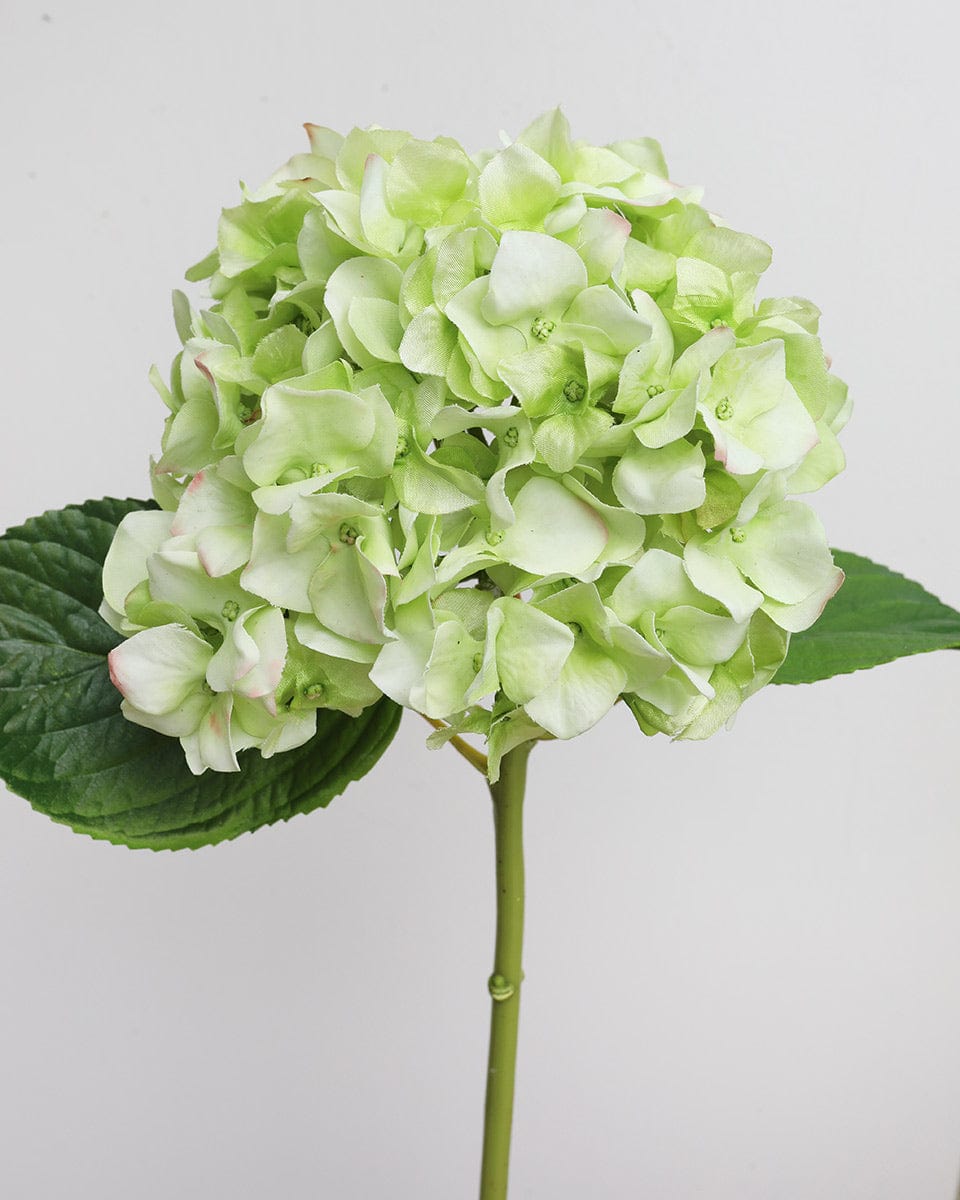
[[506, 437]]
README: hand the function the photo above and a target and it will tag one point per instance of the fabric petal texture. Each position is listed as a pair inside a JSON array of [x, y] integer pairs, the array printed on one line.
[[506, 437]]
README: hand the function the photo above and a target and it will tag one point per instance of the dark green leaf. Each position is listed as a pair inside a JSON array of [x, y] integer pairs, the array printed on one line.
[[877, 616], [64, 744]]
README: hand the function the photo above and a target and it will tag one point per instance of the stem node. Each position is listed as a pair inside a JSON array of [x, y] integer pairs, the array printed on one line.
[[504, 983]]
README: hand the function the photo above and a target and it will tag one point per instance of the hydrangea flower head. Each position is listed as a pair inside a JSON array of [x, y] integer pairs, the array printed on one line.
[[507, 438]]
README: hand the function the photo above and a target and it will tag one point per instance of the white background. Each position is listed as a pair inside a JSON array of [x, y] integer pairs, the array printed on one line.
[[743, 957]]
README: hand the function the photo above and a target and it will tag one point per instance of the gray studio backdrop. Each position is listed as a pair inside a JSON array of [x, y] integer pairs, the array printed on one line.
[[743, 978]]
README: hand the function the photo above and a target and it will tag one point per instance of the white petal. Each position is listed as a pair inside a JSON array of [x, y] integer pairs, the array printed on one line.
[[157, 669]]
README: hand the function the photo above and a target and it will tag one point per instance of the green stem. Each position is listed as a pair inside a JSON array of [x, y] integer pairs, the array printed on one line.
[[507, 796]]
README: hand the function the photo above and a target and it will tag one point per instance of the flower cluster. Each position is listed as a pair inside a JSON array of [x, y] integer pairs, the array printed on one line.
[[506, 437]]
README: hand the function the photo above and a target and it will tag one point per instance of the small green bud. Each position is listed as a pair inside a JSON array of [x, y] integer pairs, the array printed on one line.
[[654, 389], [574, 391], [717, 323], [348, 533], [542, 328], [494, 537], [319, 469], [403, 449], [477, 663], [511, 435], [230, 610], [724, 410], [314, 691], [737, 534]]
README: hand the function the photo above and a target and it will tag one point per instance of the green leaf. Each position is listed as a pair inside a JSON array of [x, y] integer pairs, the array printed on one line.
[[876, 616], [64, 744]]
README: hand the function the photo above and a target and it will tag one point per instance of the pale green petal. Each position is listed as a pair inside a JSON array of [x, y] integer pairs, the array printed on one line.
[[701, 356], [211, 745], [821, 464], [380, 226], [730, 251], [794, 618], [178, 723], [188, 437], [553, 532], [348, 594], [589, 685], [532, 276], [699, 638], [783, 551], [357, 147], [309, 632], [608, 325], [531, 648], [376, 324], [506, 733], [666, 418], [428, 486], [646, 267], [398, 671], [668, 480], [425, 179], [600, 239], [517, 188], [718, 577], [655, 584], [461, 258], [287, 733], [251, 657], [138, 536], [156, 670], [755, 416], [321, 432], [218, 510], [549, 136], [364, 276], [321, 250], [560, 441], [428, 342], [322, 348], [281, 577], [643, 664], [452, 667], [491, 343], [625, 530]]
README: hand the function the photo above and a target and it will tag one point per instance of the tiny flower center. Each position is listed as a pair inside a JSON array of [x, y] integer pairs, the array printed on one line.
[[717, 323], [724, 410], [511, 435], [494, 537], [737, 534], [348, 533], [314, 691], [403, 449], [230, 610], [318, 469], [542, 328], [575, 628], [654, 389], [574, 391]]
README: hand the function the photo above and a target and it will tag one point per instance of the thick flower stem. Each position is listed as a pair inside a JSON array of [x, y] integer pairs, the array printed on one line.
[[507, 795]]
